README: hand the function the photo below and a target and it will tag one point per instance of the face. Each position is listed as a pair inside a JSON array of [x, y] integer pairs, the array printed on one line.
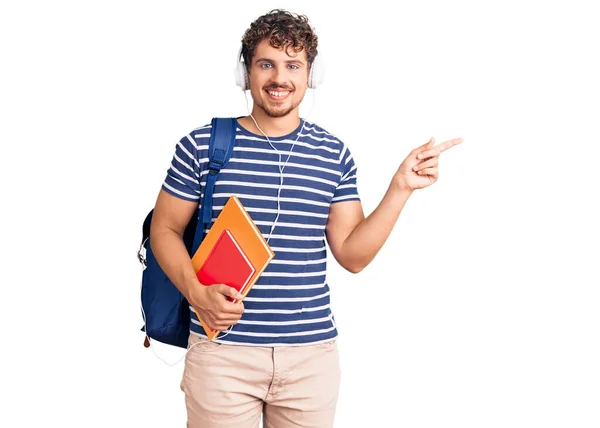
[[278, 81]]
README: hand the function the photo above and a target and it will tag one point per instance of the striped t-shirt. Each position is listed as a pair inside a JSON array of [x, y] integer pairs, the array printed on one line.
[[289, 303]]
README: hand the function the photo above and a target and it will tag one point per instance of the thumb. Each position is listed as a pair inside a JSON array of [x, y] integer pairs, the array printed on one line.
[[228, 291], [429, 144]]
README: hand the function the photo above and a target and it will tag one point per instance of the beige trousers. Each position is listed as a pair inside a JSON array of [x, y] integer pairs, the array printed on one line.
[[232, 386]]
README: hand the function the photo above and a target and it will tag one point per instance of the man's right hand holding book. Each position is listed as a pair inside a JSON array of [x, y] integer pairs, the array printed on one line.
[[211, 302], [212, 305]]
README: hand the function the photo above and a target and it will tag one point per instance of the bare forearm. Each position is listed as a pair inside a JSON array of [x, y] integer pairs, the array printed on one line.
[[173, 258], [365, 241]]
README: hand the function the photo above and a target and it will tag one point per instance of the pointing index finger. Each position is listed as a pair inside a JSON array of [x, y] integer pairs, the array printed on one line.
[[440, 148], [450, 143]]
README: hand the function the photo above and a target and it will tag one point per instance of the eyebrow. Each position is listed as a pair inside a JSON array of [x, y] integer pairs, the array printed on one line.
[[298, 61]]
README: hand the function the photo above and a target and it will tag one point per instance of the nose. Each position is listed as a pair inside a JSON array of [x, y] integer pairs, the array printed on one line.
[[279, 76]]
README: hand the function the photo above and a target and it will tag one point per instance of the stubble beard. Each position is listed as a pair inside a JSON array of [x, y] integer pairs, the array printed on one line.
[[276, 112]]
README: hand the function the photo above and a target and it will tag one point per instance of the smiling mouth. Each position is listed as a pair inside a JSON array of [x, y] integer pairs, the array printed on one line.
[[277, 95]]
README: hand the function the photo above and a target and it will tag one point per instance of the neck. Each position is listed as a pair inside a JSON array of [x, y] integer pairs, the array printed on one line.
[[272, 126]]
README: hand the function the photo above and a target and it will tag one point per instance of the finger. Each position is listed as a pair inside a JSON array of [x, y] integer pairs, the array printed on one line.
[[232, 308], [220, 327], [426, 164], [221, 321], [227, 319], [450, 143], [223, 324], [428, 171], [428, 145], [447, 144], [439, 148]]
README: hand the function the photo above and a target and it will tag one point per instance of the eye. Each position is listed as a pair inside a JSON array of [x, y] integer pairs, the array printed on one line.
[[266, 65], [293, 65]]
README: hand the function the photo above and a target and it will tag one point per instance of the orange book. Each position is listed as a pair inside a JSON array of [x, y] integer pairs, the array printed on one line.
[[233, 252]]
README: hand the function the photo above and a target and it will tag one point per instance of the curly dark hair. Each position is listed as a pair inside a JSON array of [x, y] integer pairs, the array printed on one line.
[[282, 29]]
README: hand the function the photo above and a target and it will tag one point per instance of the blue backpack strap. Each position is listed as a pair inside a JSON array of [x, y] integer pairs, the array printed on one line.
[[220, 148]]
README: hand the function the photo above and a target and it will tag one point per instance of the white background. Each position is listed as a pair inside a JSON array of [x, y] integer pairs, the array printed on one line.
[[481, 310]]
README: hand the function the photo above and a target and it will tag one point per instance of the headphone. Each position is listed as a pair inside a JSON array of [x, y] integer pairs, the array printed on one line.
[[315, 74]]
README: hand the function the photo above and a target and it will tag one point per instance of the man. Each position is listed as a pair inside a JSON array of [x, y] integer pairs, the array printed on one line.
[[280, 356]]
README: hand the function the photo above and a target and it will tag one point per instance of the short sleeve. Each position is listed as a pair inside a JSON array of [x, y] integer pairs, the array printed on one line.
[[346, 189], [183, 176]]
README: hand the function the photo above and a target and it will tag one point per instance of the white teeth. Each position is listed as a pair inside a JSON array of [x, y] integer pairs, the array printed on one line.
[[278, 94]]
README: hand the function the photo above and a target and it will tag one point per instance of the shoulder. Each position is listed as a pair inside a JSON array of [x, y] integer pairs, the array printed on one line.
[[196, 140], [319, 136], [201, 133]]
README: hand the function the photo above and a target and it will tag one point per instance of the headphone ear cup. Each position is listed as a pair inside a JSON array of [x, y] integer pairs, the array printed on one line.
[[240, 73], [241, 76], [317, 72]]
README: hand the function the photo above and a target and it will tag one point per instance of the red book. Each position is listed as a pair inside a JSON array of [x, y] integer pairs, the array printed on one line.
[[226, 264]]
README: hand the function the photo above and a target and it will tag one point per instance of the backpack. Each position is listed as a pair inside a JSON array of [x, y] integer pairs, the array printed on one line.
[[165, 310]]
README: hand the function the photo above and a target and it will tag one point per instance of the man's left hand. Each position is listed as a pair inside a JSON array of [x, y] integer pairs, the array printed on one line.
[[420, 168]]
